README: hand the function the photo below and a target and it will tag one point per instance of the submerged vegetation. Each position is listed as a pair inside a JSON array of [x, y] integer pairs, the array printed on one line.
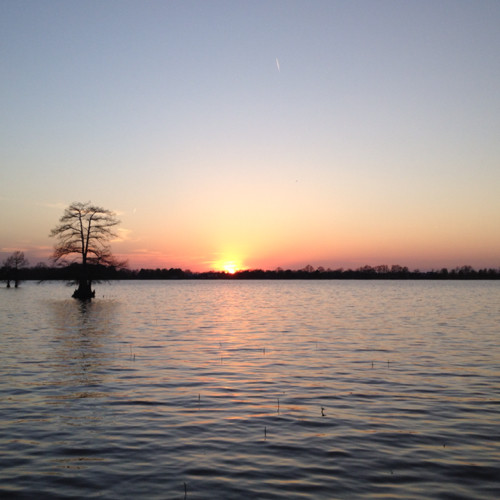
[[118, 272]]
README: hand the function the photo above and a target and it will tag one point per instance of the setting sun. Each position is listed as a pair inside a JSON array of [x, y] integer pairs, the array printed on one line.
[[227, 263], [230, 267]]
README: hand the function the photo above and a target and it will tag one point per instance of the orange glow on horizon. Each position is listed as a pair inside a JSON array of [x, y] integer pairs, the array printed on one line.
[[229, 266], [268, 252]]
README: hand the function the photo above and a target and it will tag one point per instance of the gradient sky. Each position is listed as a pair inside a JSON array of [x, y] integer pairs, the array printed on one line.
[[280, 133]]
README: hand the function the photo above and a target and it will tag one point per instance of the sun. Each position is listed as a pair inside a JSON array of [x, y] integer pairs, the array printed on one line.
[[230, 267], [228, 264]]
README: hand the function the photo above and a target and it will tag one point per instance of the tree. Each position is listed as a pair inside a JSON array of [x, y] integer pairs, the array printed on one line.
[[11, 267], [83, 233]]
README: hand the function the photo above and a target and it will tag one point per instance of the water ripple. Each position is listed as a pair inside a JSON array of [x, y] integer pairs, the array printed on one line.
[[284, 390]]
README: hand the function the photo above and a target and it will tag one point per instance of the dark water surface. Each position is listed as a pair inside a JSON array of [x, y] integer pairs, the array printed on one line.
[[272, 390]]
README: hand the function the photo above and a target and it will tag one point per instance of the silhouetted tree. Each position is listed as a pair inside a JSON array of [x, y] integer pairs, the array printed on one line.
[[83, 233], [11, 267], [366, 270]]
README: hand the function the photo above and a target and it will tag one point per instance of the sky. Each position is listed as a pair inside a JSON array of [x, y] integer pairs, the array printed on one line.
[[255, 134]]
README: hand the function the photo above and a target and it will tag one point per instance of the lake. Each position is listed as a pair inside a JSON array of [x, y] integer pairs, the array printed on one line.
[[251, 389]]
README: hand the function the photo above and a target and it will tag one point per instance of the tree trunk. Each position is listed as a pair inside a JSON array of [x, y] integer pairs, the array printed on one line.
[[84, 291]]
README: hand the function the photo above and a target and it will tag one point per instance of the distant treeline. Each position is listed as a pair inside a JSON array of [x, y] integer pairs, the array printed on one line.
[[42, 272]]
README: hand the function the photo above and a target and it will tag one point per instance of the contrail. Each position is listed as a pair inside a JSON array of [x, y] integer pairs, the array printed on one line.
[[278, 65]]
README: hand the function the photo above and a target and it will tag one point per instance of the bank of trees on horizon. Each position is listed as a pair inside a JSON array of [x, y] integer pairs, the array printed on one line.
[[82, 256], [102, 272]]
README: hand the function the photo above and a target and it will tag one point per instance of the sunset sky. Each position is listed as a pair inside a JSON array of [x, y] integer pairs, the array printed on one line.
[[258, 133]]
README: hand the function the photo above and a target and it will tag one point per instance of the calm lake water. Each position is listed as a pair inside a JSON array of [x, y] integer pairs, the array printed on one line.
[[272, 390]]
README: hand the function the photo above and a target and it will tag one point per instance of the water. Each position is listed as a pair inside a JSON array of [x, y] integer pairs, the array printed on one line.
[[272, 390]]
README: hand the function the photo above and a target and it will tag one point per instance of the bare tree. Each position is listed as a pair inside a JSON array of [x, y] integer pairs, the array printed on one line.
[[82, 236], [11, 267]]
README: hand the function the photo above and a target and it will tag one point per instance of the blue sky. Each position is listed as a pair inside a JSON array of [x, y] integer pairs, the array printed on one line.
[[333, 133]]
